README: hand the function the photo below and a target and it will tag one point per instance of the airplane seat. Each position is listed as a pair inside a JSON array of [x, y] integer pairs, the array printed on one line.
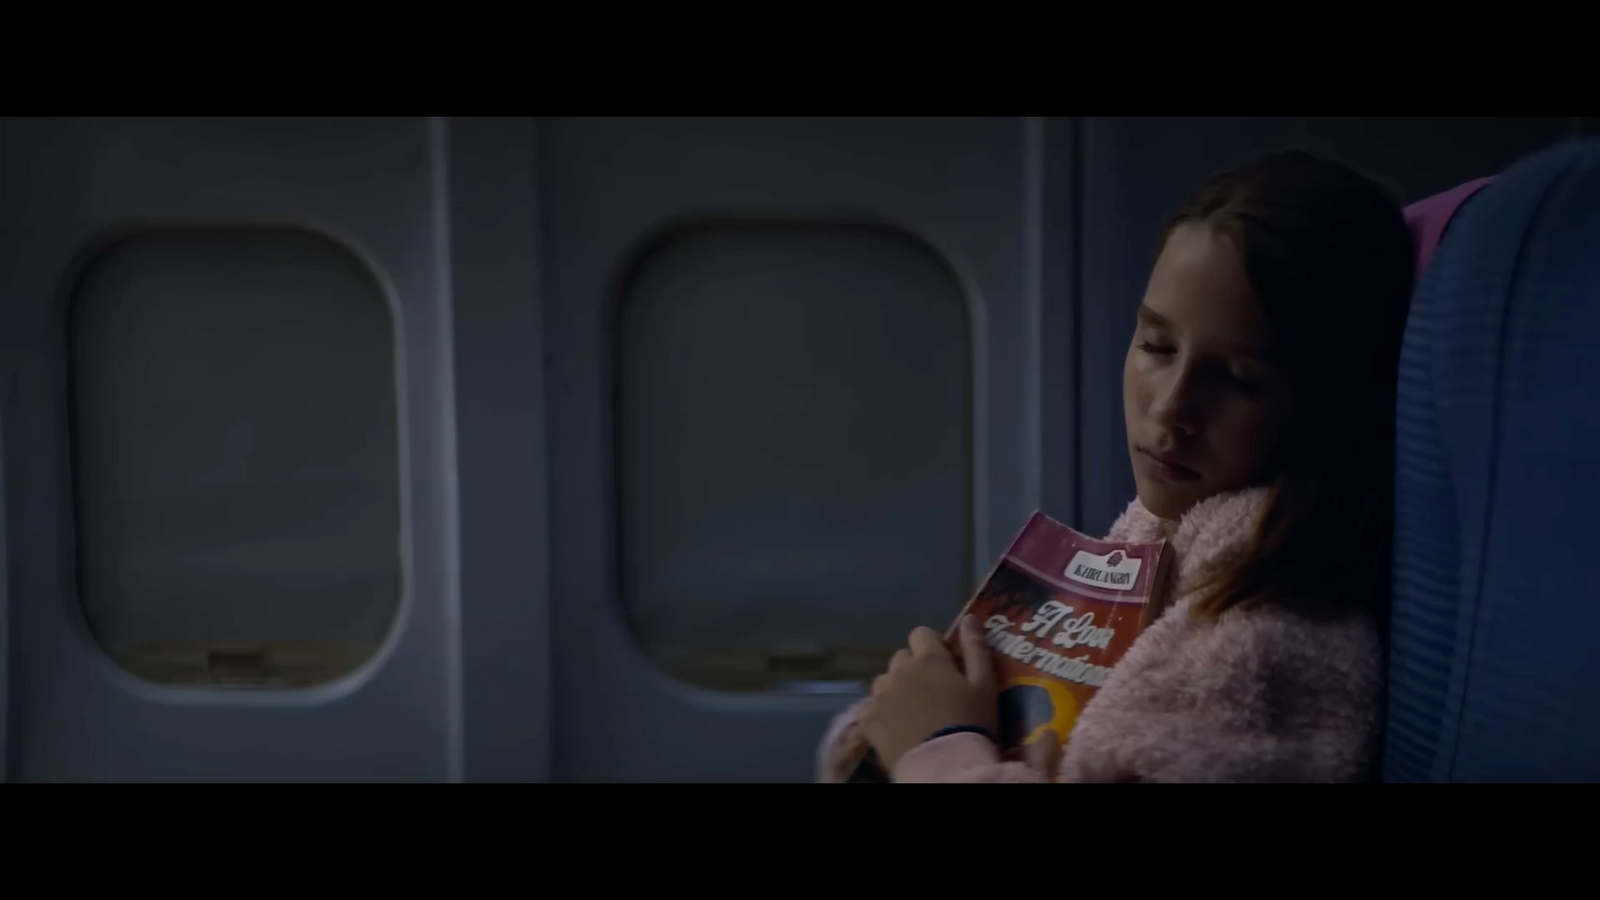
[[1494, 656]]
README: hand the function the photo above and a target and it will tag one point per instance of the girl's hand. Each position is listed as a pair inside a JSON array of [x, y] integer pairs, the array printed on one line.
[[841, 746], [924, 691]]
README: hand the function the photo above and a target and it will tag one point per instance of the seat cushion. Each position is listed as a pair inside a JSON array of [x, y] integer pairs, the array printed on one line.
[[1429, 218]]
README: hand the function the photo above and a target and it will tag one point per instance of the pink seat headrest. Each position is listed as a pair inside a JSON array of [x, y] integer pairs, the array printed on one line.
[[1428, 218]]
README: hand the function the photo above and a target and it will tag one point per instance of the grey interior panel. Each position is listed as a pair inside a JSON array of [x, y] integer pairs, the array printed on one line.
[[375, 386], [614, 186], [497, 311]]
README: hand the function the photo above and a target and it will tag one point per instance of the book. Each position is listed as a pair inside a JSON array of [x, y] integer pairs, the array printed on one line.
[[1058, 611]]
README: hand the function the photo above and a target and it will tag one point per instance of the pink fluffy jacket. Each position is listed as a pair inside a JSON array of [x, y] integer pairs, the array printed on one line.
[[1258, 695]]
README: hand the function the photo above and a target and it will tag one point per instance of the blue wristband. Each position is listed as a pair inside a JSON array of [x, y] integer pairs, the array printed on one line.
[[960, 729]]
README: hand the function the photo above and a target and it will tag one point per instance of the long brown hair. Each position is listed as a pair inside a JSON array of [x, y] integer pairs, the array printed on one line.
[[1329, 257]]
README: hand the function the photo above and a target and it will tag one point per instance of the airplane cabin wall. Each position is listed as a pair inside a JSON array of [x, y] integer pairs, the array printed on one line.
[[715, 396]]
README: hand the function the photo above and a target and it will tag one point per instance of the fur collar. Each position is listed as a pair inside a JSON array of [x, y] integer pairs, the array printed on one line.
[[1211, 534]]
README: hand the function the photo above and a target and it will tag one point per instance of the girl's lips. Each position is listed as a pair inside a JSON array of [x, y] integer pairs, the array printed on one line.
[[1166, 467]]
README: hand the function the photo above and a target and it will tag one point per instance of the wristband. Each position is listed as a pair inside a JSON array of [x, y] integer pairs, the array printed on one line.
[[960, 729]]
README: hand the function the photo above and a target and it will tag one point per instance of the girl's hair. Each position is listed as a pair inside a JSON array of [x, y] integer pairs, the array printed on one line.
[[1329, 257]]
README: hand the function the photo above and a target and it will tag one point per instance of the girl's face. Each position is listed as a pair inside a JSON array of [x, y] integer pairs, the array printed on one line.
[[1207, 392]]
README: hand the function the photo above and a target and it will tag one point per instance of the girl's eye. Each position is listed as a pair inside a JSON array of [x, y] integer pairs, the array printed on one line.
[[1156, 349], [1249, 384]]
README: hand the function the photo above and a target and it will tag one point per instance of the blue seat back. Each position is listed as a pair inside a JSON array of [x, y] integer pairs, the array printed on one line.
[[1495, 630]]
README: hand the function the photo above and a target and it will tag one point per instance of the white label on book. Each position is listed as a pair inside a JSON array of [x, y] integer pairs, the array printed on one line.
[[1116, 570]]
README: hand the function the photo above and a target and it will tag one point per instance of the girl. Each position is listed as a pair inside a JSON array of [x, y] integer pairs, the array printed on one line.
[[1258, 395]]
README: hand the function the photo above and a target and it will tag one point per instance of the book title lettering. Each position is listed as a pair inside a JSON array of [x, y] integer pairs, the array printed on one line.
[[1079, 631]]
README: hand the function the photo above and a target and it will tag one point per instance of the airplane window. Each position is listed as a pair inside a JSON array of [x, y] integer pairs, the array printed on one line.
[[794, 451], [236, 457]]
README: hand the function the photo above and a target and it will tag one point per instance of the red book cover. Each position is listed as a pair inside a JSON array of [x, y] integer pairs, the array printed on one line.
[[1059, 610]]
